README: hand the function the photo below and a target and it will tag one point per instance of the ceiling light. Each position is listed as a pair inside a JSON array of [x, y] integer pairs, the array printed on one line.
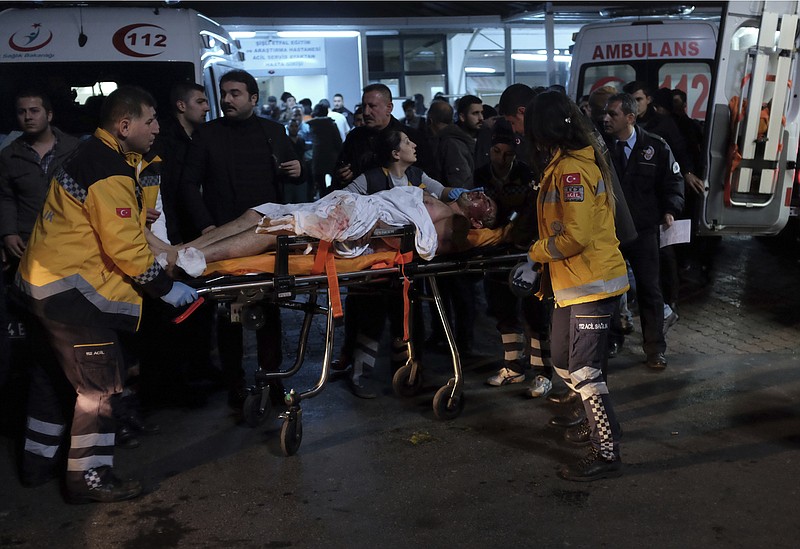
[[242, 34], [319, 34], [480, 70]]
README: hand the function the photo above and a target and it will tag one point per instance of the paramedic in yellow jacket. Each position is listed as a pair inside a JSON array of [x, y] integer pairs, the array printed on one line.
[[81, 277], [578, 243]]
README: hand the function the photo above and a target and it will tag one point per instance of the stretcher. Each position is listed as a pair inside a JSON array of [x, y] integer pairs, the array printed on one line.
[[283, 276]]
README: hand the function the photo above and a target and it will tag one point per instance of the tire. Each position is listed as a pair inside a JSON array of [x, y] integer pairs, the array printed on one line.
[[291, 436], [251, 409], [446, 407], [401, 382]]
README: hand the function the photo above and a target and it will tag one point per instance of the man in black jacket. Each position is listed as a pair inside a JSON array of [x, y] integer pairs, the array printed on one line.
[[237, 162], [26, 166], [653, 187], [365, 312], [358, 152], [173, 354]]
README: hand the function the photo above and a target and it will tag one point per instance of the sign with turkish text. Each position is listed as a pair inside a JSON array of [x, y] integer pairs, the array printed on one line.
[[284, 55]]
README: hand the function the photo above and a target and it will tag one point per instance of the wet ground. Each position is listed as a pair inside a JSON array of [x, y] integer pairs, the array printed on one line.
[[711, 450]]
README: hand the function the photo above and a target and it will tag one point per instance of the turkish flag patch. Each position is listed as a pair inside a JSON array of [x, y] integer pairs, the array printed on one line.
[[124, 212]]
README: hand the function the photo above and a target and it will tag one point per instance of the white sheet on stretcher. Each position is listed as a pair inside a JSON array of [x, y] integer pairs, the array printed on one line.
[[343, 216]]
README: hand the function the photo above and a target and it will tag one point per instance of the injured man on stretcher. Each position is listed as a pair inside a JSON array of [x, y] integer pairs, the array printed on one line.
[[344, 218]]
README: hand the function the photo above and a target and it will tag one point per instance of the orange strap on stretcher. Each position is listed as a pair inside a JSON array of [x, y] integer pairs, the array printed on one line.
[[401, 259], [325, 262]]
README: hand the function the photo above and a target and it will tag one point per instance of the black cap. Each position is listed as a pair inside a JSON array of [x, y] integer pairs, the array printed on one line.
[[503, 133]]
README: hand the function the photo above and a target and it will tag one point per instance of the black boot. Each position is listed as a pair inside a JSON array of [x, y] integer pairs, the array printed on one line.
[[101, 485], [569, 397], [573, 417], [592, 467]]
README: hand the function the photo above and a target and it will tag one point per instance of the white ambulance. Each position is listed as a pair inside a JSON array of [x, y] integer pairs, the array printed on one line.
[[741, 76], [79, 54]]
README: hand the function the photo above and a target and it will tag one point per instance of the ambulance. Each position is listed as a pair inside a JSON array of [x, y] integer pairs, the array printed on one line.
[[739, 71], [79, 54]]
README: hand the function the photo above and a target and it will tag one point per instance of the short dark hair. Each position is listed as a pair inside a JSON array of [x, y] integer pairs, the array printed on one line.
[[627, 103], [463, 104], [409, 103], [35, 92], [325, 102], [681, 94], [243, 77], [440, 112], [382, 89], [335, 95], [319, 110], [514, 97], [636, 85], [125, 101], [182, 91]]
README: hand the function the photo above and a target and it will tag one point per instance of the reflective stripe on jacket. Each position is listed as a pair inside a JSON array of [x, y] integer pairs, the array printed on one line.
[[576, 231]]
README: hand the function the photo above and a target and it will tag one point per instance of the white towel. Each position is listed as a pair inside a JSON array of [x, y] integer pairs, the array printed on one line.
[[342, 216]]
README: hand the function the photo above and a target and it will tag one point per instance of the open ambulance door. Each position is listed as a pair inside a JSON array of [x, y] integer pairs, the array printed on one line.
[[752, 135]]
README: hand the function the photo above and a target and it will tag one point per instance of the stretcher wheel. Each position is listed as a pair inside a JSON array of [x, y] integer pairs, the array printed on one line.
[[445, 406], [291, 435], [402, 384], [251, 409]]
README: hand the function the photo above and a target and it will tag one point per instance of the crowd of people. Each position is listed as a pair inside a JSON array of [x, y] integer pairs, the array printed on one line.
[[91, 232]]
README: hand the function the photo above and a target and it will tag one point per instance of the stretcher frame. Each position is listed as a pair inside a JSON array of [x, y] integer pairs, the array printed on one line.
[[282, 289]]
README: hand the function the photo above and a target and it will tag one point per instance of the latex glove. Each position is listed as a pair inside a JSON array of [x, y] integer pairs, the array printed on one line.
[[524, 278], [180, 295], [458, 191]]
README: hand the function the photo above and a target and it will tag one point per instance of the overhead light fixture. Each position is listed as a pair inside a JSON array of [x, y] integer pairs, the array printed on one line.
[[653, 10], [242, 34], [540, 57], [480, 70], [319, 34]]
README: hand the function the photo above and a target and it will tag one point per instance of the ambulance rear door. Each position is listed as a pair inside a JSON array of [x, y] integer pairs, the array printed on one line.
[[752, 133]]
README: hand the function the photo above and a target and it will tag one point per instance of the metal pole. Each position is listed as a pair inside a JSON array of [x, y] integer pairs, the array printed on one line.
[[550, 43]]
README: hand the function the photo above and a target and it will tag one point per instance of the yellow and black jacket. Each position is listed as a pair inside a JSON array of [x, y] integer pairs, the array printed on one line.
[[87, 257], [576, 231]]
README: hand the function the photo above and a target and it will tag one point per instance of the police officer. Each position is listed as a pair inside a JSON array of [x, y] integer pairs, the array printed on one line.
[[653, 187]]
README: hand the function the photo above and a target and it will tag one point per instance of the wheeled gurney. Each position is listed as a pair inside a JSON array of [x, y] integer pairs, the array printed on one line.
[[282, 276]]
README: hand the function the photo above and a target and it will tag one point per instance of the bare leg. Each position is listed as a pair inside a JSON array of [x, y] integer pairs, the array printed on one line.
[[244, 244], [248, 220]]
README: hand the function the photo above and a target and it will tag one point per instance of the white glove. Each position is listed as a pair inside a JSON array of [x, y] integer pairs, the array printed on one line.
[[523, 279]]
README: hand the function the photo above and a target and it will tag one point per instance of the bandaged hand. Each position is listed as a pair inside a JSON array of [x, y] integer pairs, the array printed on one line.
[[285, 224], [523, 279], [180, 295]]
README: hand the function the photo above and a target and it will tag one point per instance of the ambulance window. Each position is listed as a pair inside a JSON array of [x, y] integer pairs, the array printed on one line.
[[597, 76], [82, 93], [742, 40], [694, 79]]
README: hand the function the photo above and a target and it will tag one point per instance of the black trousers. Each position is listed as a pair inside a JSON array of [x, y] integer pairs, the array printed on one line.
[[90, 359], [643, 255], [521, 323], [580, 356], [230, 345]]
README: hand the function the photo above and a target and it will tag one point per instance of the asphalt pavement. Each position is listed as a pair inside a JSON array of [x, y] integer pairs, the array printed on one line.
[[711, 449]]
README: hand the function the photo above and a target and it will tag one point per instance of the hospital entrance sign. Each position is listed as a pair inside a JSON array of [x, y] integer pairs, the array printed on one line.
[[284, 56]]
